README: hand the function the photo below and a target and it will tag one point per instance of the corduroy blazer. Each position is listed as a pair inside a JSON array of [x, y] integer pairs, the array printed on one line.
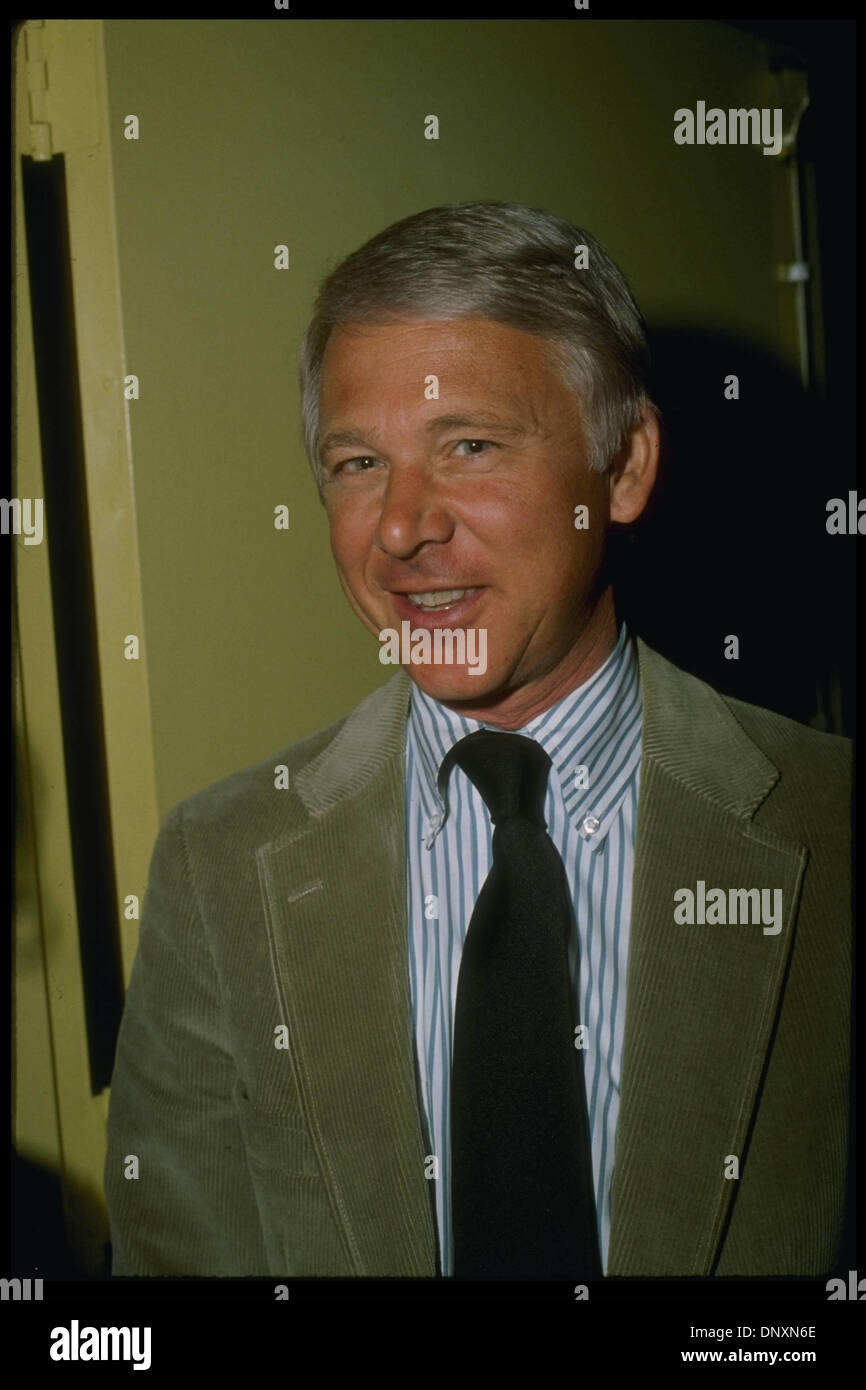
[[280, 916]]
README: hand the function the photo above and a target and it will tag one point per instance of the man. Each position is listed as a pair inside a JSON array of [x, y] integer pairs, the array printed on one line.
[[398, 1020]]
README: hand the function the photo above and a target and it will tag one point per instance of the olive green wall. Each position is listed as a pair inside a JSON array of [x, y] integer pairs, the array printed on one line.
[[312, 134]]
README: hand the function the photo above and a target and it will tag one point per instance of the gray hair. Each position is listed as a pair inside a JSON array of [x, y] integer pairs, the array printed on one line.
[[505, 262]]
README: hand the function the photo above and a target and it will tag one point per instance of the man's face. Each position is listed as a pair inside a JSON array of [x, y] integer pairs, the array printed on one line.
[[473, 491]]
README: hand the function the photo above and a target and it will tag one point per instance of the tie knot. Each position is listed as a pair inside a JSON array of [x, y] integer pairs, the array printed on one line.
[[509, 770]]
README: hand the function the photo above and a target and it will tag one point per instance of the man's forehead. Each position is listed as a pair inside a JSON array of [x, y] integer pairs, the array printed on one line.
[[461, 359], [417, 335], [518, 396]]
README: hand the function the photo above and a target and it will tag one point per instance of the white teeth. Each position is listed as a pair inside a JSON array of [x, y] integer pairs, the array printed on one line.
[[440, 598]]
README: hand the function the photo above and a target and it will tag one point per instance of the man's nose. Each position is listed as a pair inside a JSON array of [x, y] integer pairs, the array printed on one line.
[[413, 513]]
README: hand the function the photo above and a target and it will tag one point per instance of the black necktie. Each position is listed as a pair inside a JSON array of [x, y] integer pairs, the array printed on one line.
[[523, 1203]]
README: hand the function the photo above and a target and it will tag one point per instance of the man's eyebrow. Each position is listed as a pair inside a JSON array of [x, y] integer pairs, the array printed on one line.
[[353, 438]]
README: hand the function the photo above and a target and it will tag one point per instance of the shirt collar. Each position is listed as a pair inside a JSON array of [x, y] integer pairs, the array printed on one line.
[[596, 727]]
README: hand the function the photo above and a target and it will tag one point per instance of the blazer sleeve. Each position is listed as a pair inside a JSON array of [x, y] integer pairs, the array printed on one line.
[[191, 1209]]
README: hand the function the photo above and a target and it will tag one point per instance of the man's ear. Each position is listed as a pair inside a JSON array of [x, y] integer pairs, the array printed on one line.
[[633, 472]]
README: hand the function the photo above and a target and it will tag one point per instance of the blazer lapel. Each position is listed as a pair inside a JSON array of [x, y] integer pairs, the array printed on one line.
[[336, 902], [702, 999]]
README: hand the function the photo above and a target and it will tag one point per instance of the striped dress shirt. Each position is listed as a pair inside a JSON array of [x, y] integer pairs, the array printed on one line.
[[593, 739]]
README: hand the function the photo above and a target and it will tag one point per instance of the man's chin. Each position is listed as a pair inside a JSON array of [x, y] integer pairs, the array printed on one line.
[[459, 685]]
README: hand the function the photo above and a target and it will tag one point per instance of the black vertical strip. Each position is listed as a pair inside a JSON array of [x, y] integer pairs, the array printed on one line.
[[68, 539]]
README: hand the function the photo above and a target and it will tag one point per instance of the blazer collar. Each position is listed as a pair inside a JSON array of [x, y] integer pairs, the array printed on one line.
[[691, 733], [688, 730], [373, 734]]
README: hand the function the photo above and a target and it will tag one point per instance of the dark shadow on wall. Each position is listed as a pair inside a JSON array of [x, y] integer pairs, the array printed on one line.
[[734, 542], [39, 1244], [73, 602]]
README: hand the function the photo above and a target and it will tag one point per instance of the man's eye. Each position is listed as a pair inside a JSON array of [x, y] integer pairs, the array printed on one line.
[[346, 465], [486, 443], [365, 463]]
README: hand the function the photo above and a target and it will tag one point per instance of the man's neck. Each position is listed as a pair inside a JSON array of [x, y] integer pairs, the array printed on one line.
[[516, 708]]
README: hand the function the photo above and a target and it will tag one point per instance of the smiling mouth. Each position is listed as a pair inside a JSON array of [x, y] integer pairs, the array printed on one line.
[[438, 600]]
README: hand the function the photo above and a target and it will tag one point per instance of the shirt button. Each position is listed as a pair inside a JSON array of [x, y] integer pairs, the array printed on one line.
[[590, 826]]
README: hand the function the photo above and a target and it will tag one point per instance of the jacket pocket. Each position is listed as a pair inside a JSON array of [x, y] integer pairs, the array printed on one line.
[[301, 1234], [274, 1142]]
